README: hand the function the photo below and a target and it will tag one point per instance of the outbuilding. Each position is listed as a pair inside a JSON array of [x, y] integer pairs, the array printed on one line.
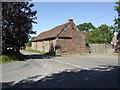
[[62, 39]]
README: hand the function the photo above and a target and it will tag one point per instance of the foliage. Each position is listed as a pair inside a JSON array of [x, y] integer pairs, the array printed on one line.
[[17, 19], [114, 29], [11, 58], [117, 8], [6, 59], [32, 38], [85, 27], [29, 43], [102, 34]]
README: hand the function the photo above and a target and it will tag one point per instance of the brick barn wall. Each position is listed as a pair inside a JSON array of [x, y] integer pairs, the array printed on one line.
[[52, 43], [64, 46], [79, 42], [43, 46], [39, 46], [34, 45], [72, 46], [46, 46]]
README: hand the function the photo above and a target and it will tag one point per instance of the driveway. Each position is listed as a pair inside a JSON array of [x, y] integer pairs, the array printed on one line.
[[57, 72]]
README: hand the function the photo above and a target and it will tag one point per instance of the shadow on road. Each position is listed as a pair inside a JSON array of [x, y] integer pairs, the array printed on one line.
[[48, 55], [107, 77]]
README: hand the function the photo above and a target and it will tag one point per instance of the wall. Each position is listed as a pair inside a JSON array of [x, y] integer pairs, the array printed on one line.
[[43, 46], [75, 45], [101, 48], [80, 42], [34, 47], [39, 46], [63, 46]]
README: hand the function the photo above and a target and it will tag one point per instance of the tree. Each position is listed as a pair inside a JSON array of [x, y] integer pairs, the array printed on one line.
[[85, 27], [17, 19], [102, 34], [117, 22], [29, 43]]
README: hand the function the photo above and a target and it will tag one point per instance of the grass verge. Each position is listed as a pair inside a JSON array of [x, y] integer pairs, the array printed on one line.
[[34, 51], [11, 58]]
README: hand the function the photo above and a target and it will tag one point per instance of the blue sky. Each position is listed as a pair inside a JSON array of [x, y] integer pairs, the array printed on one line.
[[51, 14]]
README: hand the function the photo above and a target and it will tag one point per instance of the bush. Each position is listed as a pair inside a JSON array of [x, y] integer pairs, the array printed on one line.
[[6, 59], [11, 58]]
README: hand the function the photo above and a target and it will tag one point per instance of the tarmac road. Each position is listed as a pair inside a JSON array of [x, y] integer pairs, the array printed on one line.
[[36, 69]]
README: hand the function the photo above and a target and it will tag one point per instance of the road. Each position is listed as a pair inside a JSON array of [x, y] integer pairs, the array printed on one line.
[[69, 71]]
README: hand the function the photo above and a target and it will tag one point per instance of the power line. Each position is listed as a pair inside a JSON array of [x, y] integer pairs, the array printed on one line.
[[109, 14]]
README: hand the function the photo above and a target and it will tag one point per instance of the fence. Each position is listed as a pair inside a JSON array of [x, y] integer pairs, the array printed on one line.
[[101, 48]]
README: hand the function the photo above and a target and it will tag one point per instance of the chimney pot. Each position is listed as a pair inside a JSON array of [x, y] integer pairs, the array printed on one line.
[[70, 20]]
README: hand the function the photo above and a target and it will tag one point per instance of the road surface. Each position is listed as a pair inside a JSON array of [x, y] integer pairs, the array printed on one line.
[[56, 72]]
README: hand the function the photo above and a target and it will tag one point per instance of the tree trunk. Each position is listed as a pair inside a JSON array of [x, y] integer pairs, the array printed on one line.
[[17, 49]]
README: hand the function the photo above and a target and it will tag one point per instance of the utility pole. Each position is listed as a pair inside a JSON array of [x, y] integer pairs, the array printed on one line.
[[119, 19], [119, 11], [117, 47], [119, 16]]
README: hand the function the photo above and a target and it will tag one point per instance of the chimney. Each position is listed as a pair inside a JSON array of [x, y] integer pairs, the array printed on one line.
[[70, 20]]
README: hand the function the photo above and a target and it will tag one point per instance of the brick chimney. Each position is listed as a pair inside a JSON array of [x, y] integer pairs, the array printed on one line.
[[70, 20]]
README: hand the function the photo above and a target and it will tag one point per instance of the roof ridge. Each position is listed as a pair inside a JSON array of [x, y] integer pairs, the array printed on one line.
[[54, 32], [56, 27]]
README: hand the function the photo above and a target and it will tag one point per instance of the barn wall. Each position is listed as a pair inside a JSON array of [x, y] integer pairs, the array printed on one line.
[[39, 46], [69, 46], [34, 45], [79, 42], [46, 46], [63, 46], [52, 44], [43, 46]]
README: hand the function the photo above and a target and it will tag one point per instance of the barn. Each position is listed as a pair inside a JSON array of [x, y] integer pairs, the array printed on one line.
[[62, 39]]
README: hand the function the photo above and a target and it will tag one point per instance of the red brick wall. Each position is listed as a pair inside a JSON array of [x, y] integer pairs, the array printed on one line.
[[34, 47], [76, 44]]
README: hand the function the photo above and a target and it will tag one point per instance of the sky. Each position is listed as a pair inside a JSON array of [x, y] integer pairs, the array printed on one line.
[[51, 14]]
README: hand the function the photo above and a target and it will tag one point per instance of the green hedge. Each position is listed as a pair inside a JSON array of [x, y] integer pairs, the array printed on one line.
[[7, 59]]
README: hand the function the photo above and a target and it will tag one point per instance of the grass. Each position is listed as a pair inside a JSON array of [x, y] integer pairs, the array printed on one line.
[[34, 51], [11, 58], [6, 59]]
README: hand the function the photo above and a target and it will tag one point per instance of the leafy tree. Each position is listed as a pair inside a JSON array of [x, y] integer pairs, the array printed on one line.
[[85, 27], [102, 34], [29, 43], [114, 28], [117, 22], [32, 38], [17, 19]]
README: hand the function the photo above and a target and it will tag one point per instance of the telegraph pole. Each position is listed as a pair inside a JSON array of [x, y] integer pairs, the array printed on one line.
[[118, 36], [117, 47], [119, 16], [119, 19]]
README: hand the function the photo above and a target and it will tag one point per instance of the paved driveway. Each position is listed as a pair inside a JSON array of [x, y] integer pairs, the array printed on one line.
[[71, 71]]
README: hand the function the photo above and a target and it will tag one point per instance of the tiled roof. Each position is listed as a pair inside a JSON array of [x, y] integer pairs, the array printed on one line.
[[51, 33], [85, 33], [57, 31]]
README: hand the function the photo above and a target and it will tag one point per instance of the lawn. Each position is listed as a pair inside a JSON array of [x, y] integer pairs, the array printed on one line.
[[34, 51]]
